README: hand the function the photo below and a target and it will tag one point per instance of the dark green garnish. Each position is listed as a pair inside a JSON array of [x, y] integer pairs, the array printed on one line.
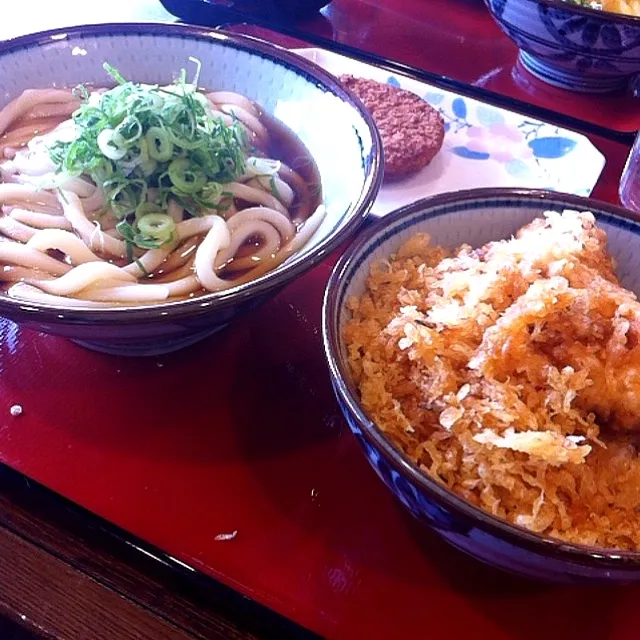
[[136, 137]]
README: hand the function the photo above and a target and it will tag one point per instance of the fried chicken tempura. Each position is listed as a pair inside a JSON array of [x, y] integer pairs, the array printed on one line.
[[576, 315], [511, 374]]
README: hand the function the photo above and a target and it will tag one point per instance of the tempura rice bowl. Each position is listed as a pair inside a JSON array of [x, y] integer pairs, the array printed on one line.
[[475, 218], [299, 94]]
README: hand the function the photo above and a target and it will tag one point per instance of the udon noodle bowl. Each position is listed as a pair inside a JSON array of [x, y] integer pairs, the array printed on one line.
[[143, 194]]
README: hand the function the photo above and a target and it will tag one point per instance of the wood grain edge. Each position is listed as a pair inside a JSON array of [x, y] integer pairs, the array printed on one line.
[[55, 532], [57, 601]]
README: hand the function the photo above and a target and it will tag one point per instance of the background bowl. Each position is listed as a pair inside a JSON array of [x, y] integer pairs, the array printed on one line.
[[475, 217], [338, 133], [570, 46]]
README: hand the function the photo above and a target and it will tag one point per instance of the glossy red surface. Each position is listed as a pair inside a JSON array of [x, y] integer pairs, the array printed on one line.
[[459, 39], [242, 433]]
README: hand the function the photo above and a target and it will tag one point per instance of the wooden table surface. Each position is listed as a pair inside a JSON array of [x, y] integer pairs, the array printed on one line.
[[65, 573], [62, 575]]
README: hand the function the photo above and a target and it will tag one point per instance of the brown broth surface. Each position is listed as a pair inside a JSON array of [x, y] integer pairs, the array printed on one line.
[[284, 145]]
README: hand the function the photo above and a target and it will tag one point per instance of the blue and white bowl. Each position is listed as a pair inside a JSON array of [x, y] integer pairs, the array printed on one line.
[[572, 47], [336, 130], [474, 217]]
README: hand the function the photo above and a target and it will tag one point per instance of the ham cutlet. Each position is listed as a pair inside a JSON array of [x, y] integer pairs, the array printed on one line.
[[412, 131]]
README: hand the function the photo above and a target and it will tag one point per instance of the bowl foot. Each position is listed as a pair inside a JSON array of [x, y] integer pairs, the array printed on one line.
[[571, 80], [157, 347]]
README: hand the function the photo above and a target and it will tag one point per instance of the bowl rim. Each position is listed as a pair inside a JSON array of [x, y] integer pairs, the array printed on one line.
[[203, 305], [347, 392], [608, 16]]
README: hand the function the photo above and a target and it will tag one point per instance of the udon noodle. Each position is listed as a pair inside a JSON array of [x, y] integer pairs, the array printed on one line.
[[198, 193]]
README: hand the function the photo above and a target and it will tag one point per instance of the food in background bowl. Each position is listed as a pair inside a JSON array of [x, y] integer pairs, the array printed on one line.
[[309, 102], [483, 386], [147, 193], [626, 7]]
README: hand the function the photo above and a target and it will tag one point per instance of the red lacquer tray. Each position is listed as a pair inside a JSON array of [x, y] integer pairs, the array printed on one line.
[[232, 457]]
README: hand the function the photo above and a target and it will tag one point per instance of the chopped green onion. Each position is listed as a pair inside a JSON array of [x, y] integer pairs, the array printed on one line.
[[186, 177], [103, 171], [108, 147], [135, 138], [127, 232], [257, 167], [148, 167], [114, 73], [155, 230], [146, 208], [198, 64], [126, 196], [274, 187], [129, 131], [156, 224], [141, 267], [80, 92], [160, 147]]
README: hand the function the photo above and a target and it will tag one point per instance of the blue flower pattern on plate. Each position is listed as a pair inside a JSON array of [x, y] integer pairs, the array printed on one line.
[[490, 137], [552, 147], [500, 135], [465, 152], [517, 168], [481, 133], [488, 116], [459, 108]]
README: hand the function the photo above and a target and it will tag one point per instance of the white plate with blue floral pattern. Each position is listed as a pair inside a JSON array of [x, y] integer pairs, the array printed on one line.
[[484, 145]]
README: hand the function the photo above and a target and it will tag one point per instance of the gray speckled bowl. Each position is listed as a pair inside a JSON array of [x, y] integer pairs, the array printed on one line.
[[338, 133]]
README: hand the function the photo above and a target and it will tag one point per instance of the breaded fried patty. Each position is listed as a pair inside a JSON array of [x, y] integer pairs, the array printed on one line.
[[412, 131]]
